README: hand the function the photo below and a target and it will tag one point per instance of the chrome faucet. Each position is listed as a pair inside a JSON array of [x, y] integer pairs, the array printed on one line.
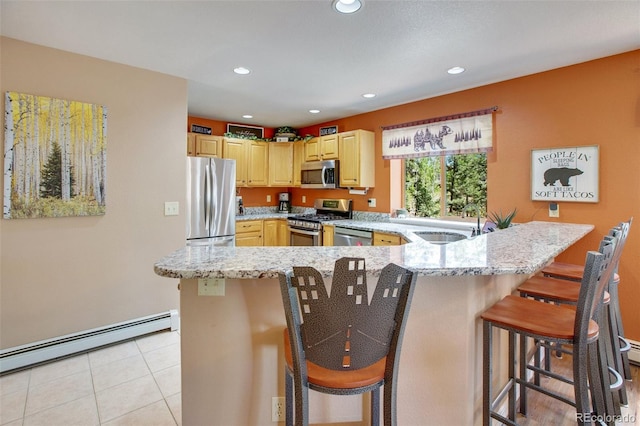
[[476, 231]]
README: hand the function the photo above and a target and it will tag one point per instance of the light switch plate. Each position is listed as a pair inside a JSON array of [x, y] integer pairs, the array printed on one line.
[[171, 208], [211, 287], [268, 198]]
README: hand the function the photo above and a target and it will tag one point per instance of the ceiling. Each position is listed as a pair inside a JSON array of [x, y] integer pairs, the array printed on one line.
[[303, 55]]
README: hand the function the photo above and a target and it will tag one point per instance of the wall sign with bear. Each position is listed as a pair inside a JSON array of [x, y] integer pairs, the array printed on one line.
[[565, 174]]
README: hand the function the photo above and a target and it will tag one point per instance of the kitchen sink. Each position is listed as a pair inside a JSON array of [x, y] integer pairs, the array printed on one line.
[[440, 237]]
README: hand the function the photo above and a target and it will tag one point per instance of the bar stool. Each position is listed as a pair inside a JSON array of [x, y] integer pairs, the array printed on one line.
[[341, 343], [573, 272], [561, 291], [556, 324]]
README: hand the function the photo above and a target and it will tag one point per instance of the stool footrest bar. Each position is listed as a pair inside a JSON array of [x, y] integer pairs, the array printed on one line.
[[546, 392], [619, 380], [625, 345], [550, 374]]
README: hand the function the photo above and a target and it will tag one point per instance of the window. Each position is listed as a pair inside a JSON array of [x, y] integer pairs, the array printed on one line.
[[444, 186]]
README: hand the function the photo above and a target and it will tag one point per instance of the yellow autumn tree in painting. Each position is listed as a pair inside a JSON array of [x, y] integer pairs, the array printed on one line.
[[54, 157]]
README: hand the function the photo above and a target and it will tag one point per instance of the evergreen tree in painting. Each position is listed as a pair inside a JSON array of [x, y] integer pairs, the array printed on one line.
[[52, 175]]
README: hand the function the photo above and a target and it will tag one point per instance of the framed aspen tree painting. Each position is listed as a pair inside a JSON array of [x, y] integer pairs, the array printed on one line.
[[54, 157]]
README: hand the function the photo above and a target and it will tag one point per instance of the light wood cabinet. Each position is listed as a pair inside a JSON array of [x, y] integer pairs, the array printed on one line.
[[249, 233], [270, 231], [357, 159], [276, 232], [209, 146], [258, 159], [236, 149], [312, 150], [281, 164], [327, 235], [329, 147], [251, 160], [191, 144], [298, 159], [322, 148], [204, 145], [283, 232], [385, 239]]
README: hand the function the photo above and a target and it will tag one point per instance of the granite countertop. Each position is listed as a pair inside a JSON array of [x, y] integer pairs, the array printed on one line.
[[262, 216], [521, 249]]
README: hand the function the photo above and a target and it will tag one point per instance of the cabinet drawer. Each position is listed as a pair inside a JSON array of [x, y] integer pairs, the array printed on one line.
[[384, 239], [248, 226]]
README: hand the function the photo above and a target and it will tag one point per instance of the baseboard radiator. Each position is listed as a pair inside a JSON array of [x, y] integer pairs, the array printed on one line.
[[46, 350], [634, 352]]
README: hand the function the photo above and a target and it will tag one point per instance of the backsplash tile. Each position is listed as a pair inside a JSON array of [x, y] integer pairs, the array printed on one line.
[[370, 216]]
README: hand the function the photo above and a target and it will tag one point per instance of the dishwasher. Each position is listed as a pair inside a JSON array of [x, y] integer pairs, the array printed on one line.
[[351, 237]]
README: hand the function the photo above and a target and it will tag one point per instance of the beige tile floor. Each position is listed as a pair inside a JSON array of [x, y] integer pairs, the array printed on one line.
[[131, 383]]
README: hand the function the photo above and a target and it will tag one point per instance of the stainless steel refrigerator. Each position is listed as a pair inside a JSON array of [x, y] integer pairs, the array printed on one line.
[[211, 195]]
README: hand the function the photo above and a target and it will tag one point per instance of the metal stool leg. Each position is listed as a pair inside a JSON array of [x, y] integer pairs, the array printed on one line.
[[288, 393], [375, 406], [487, 390], [616, 316]]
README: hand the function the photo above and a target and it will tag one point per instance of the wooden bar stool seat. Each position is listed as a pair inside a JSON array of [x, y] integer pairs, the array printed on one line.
[[567, 271], [573, 272], [542, 320], [554, 290], [559, 286], [574, 326]]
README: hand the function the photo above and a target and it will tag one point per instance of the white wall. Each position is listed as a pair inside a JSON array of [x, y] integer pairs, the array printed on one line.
[[62, 275]]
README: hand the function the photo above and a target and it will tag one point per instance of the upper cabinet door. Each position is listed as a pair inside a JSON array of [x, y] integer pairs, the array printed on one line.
[[191, 144], [298, 159], [236, 149], [357, 159], [329, 147], [209, 146], [258, 164], [281, 164], [312, 150]]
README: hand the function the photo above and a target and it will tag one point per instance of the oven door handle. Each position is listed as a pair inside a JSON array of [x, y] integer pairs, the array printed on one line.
[[304, 232]]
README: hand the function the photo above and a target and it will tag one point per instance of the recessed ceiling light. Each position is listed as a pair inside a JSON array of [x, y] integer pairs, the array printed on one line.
[[455, 70], [247, 116], [314, 111], [369, 95], [241, 70], [347, 6]]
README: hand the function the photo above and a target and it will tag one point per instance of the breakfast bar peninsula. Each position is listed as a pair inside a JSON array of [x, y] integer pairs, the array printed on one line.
[[232, 352]]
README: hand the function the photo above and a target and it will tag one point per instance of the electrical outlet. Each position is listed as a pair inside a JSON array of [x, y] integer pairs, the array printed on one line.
[[268, 198], [304, 199], [554, 210], [372, 202], [171, 208], [211, 287], [277, 409]]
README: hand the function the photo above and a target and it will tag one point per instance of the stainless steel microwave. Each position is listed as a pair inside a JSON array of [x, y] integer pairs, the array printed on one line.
[[320, 174]]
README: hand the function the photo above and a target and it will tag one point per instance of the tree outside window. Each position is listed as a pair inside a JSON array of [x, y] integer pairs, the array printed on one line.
[[444, 186]]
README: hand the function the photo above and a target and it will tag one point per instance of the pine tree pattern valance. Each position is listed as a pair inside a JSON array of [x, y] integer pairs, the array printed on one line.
[[464, 133]]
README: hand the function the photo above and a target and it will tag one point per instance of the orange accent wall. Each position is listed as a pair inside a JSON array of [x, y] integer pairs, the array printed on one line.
[[593, 103]]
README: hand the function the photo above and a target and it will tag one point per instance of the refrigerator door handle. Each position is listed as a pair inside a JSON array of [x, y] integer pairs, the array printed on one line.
[[207, 197]]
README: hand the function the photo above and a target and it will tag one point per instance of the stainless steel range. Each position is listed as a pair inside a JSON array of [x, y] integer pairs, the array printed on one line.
[[306, 229]]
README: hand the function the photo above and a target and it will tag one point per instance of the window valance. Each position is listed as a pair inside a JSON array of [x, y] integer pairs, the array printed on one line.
[[465, 133]]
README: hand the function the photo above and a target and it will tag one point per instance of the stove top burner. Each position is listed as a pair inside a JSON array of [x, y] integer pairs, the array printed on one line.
[[326, 210], [318, 217]]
